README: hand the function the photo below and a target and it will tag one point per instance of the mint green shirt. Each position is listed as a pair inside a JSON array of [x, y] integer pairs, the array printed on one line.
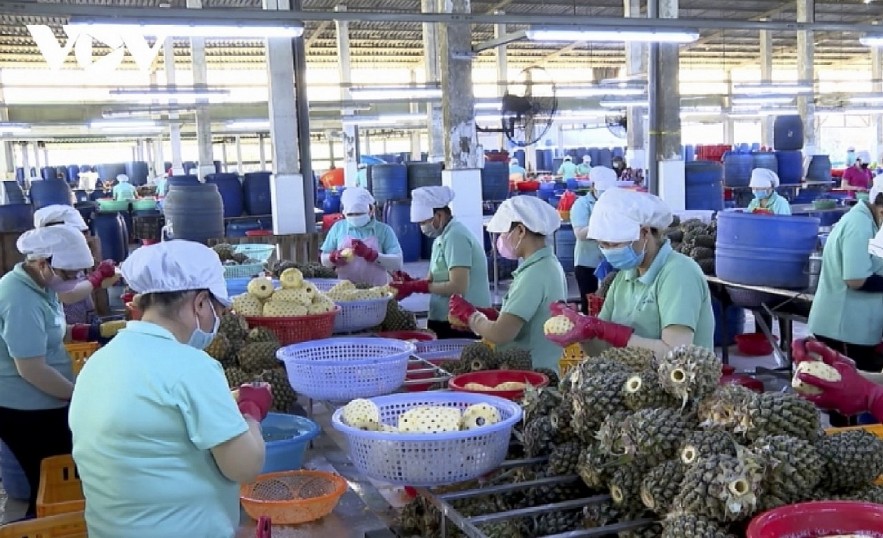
[[32, 325], [775, 203], [673, 291], [145, 414], [839, 312], [586, 253], [538, 282], [567, 170], [583, 169], [124, 191], [386, 237], [458, 247]]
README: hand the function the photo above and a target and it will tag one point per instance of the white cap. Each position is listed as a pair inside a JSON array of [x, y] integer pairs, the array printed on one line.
[[587, 158], [761, 178], [176, 266], [65, 245], [59, 214], [568, 158], [425, 199], [602, 178], [876, 188], [356, 200], [123, 178], [362, 166], [536, 215], [619, 214], [514, 160]]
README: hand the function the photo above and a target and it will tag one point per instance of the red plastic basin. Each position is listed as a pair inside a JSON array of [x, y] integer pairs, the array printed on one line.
[[753, 344], [818, 520], [492, 378]]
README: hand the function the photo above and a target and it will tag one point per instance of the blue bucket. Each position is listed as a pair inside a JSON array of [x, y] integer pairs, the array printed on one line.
[[286, 438]]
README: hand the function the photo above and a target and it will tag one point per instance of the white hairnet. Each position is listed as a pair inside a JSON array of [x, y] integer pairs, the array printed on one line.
[[514, 160], [65, 245], [587, 159], [619, 214], [761, 178], [123, 178], [568, 158], [876, 188], [602, 178], [536, 215], [356, 200], [176, 266], [59, 214], [362, 166], [425, 199]]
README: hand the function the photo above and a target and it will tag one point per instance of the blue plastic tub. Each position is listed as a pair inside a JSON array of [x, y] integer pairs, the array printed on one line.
[[286, 438]]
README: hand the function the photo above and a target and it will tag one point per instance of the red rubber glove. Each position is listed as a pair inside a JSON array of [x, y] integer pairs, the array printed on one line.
[[362, 250], [802, 351], [337, 259], [489, 313], [104, 270], [460, 310], [588, 327], [255, 400], [850, 396], [405, 289], [401, 276], [83, 332]]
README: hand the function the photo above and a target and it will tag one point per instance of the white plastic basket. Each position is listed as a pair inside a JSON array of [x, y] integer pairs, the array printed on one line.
[[357, 316]]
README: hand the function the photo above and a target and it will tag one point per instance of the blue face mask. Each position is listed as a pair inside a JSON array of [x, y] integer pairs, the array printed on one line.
[[762, 195], [623, 258], [201, 339], [358, 221]]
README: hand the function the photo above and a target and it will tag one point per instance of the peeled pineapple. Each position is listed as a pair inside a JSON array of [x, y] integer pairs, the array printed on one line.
[[248, 305], [557, 325], [362, 414], [430, 419], [291, 295], [260, 287], [284, 309], [817, 369], [478, 415], [291, 278]]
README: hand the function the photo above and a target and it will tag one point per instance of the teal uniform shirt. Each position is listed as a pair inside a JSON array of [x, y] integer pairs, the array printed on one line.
[[124, 191], [538, 282], [362, 178], [583, 169], [838, 311], [587, 253], [32, 325], [517, 169], [145, 414], [673, 291], [777, 204], [567, 170], [162, 185], [386, 237], [458, 247]]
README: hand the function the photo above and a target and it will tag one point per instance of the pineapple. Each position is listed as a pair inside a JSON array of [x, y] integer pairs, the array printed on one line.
[[236, 377], [643, 390], [655, 435], [689, 372], [515, 359], [682, 525], [430, 419], [853, 459], [794, 469], [258, 356], [724, 488], [610, 434], [262, 334], [661, 485], [260, 287], [594, 466], [554, 380], [288, 295], [564, 458], [219, 349], [718, 410], [478, 357], [248, 305], [557, 325], [291, 278], [606, 513], [284, 396], [234, 327], [361, 413], [539, 437], [625, 484], [562, 418], [633, 358], [502, 529], [558, 522], [814, 368], [776, 413], [479, 415], [595, 397], [705, 443], [600, 366], [284, 309], [539, 402]]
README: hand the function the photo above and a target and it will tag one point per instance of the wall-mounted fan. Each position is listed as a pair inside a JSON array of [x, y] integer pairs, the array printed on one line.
[[617, 125], [528, 108]]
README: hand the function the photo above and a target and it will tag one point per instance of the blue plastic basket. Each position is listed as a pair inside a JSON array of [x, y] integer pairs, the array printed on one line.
[[254, 251], [342, 369], [433, 348], [286, 438], [324, 284], [420, 459], [357, 316]]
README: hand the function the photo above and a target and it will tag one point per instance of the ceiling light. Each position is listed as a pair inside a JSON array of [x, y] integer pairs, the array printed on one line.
[[179, 94], [872, 40], [870, 98], [761, 99], [701, 111], [386, 119], [14, 128], [619, 103], [258, 125], [162, 27], [488, 106], [393, 93], [612, 35], [122, 124], [789, 88], [596, 90]]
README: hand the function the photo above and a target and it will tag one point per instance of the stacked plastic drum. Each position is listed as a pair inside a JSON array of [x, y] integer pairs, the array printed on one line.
[[389, 185], [421, 174], [704, 185], [788, 142]]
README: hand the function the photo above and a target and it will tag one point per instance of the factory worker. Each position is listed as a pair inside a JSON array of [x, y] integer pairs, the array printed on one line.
[[361, 248], [850, 156], [162, 186], [659, 300], [458, 264], [362, 176], [567, 170], [516, 171], [525, 224], [160, 444], [36, 377], [124, 190], [857, 177], [584, 167], [587, 255], [766, 200]]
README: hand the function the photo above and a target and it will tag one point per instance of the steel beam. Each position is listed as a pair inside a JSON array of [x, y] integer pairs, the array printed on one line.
[[499, 41]]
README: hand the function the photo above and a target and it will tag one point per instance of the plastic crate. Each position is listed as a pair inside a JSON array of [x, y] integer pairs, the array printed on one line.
[[876, 429], [259, 253], [572, 356], [80, 353], [71, 525], [61, 491]]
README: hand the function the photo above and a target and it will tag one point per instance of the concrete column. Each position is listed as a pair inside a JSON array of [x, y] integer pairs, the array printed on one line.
[[729, 123], [766, 76], [224, 155], [159, 163], [262, 155], [287, 185], [7, 157], [462, 154], [203, 115], [502, 64], [805, 73], [25, 161], [45, 154], [415, 133], [238, 154], [435, 127], [174, 126], [635, 66], [37, 164], [877, 119], [349, 135]]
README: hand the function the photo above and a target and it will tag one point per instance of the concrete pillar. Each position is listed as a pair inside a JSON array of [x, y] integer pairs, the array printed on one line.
[[287, 185], [877, 119], [462, 154], [238, 154], [45, 154], [7, 157], [805, 73], [502, 64], [415, 133], [729, 122], [174, 126], [435, 127], [349, 135], [37, 164], [635, 66], [262, 154], [159, 163], [766, 76], [203, 115], [25, 161]]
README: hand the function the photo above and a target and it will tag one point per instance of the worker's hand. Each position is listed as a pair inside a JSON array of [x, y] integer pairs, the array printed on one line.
[[109, 329], [810, 349], [489, 313], [460, 310], [362, 250], [588, 328], [405, 289], [255, 400], [105, 269], [85, 332], [337, 259], [401, 276], [852, 394]]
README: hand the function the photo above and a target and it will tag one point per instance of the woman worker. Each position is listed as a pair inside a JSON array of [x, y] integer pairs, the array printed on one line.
[[587, 255], [857, 177], [124, 190], [567, 170], [524, 223], [766, 200], [36, 377], [516, 171], [458, 264], [584, 168], [361, 248], [659, 300], [160, 444]]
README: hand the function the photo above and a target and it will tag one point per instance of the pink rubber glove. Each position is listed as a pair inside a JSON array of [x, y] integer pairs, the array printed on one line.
[[850, 396], [460, 310], [405, 289], [337, 259], [587, 328], [801, 351], [489, 313], [362, 250], [104, 270], [255, 400]]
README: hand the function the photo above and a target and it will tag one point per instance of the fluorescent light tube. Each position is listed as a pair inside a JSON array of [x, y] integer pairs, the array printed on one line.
[[161, 28], [387, 119], [772, 89], [488, 106], [618, 103], [871, 40], [388, 94], [132, 124], [592, 91], [248, 124], [616, 36], [875, 98], [13, 128], [761, 99]]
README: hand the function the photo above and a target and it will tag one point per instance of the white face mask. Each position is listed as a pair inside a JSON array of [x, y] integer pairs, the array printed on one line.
[[358, 221]]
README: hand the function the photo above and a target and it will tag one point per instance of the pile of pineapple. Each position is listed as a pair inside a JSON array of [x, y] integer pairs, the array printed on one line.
[[365, 415], [295, 298], [345, 291], [668, 443], [249, 355]]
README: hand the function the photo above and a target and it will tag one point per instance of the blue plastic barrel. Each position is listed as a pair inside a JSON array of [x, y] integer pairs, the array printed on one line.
[[766, 159], [547, 160], [110, 171], [495, 181], [605, 158], [565, 242], [744, 148], [737, 169], [239, 228], [256, 193], [231, 192], [368, 160], [194, 212], [424, 175], [183, 180], [790, 166], [704, 185], [16, 217], [137, 172], [398, 217], [519, 154], [735, 323], [819, 168], [14, 193], [788, 133], [765, 250], [331, 204], [15, 482], [50, 191], [219, 167], [49, 172], [593, 153], [540, 160], [110, 228], [618, 152], [389, 182], [689, 153], [320, 197], [572, 183]]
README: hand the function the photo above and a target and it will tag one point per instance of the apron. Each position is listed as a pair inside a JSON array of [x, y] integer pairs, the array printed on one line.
[[360, 271]]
